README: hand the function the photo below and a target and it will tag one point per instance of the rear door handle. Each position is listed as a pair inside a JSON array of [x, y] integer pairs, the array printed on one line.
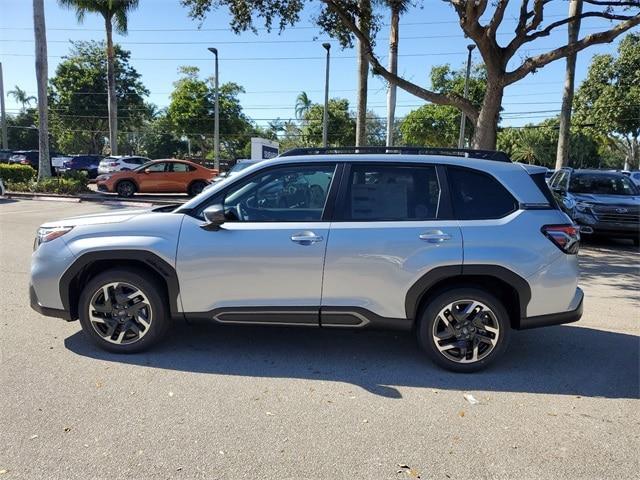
[[436, 236], [306, 238]]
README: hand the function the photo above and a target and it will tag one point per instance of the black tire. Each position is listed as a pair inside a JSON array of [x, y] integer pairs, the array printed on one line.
[[158, 318], [429, 316], [196, 187], [126, 188], [636, 242]]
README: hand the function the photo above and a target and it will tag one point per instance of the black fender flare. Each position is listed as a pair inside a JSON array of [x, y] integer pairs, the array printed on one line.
[[417, 291], [153, 261]]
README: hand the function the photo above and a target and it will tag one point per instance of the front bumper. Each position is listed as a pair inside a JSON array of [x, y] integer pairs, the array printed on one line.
[[628, 228], [559, 318], [102, 187], [46, 311]]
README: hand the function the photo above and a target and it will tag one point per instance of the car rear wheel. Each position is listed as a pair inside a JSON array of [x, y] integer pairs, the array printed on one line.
[[126, 188], [464, 329], [121, 311], [196, 187]]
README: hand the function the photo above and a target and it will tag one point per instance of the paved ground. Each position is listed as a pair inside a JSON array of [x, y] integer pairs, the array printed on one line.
[[178, 197], [252, 403]]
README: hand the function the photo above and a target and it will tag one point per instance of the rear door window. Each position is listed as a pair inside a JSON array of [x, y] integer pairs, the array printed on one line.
[[478, 196], [382, 192]]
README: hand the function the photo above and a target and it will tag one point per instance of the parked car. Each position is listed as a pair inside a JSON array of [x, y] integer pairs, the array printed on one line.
[[57, 162], [601, 202], [25, 157], [240, 165], [5, 155], [327, 240], [634, 176], [122, 163], [158, 176], [82, 163], [548, 174]]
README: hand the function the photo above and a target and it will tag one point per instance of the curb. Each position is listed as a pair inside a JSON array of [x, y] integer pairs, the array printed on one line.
[[90, 198]]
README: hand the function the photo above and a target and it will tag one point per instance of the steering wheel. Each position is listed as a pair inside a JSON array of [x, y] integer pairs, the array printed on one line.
[[241, 212]]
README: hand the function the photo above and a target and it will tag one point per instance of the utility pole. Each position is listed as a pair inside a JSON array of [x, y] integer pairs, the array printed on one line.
[[216, 127], [40, 32], [325, 117], [564, 133], [3, 114], [463, 117]]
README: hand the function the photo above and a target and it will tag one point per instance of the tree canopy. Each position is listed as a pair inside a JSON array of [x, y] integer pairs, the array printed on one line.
[[78, 100]]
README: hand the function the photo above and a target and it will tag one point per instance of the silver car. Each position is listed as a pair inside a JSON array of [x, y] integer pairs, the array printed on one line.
[[459, 250]]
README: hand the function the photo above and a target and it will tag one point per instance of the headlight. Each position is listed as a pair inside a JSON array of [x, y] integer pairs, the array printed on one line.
[[103, 178], [46, 234], [583, 206]]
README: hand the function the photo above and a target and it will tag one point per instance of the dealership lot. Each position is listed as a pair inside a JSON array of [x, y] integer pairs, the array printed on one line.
[[248, 402]]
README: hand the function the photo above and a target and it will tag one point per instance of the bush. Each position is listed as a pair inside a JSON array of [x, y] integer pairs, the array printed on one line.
[[16, 173], [68, 184]]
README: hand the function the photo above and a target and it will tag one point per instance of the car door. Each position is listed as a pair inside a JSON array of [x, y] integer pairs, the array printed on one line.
[[179, 176], [264, 265], [153, 179], [392, 225]]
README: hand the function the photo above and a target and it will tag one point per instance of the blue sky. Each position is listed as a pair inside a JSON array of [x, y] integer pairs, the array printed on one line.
[[274, 68]]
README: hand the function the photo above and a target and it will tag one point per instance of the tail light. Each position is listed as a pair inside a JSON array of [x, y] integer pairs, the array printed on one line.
[[565, 237], [113, 164], [24, 162]]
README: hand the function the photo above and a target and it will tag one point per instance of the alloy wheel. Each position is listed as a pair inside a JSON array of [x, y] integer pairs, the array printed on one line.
[[466, 331], [120, 313]]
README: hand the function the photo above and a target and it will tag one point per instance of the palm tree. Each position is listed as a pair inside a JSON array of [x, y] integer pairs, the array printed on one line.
[[115, 14], [397, 7], [303, 104], [21, 97], [39, 30]]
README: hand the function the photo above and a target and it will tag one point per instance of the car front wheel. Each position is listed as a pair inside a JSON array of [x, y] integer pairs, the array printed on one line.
[[122, 311], [196, 188], [126, 188], [464, 329]]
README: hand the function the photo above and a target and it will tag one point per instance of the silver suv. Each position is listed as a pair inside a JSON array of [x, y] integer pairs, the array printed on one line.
[[460, 250]]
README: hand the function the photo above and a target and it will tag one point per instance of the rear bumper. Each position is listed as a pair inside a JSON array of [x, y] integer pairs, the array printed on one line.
[[46, 311], [568, 316]]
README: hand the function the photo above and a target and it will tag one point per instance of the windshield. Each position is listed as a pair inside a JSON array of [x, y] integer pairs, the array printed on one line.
[[602, 184]]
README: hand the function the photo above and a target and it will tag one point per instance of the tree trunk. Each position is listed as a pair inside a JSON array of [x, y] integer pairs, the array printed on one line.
[[363, 75], [393, 68], [564, 134], [111, 89], [485, 134], [42, 73]]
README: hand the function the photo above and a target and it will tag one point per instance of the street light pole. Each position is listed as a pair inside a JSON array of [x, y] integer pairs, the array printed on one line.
[[325, 118], [466, 92], [216, 127], [3, 114]]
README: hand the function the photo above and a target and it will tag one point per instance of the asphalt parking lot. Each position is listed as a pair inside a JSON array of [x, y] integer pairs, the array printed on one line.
[[256, 403]]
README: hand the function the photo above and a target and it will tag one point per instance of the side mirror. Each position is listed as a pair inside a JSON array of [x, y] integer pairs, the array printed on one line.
[[214, 217]]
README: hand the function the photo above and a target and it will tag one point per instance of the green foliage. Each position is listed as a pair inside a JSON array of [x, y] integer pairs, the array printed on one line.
[[68, 184], [156, 142], [536, 144], [16, 173], [609, 98], [191, 113], [115, 11], [78, 99], [341, 125], [438, 125], [22, 131]]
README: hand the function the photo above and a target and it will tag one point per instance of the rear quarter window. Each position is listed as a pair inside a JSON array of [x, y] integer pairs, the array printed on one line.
[[478, 196]]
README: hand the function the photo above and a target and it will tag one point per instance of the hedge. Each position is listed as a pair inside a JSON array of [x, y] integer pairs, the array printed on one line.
[[68, 184], [16, 173]]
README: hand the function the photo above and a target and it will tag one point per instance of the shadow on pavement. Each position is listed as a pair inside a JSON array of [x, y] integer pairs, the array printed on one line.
[[564, 360]]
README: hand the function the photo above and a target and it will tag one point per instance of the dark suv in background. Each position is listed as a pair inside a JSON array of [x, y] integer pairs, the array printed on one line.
[[601, 202], [82, 163]]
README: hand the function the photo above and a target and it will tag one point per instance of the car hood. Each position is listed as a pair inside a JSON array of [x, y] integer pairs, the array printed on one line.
[[99, 218], [631, 200]]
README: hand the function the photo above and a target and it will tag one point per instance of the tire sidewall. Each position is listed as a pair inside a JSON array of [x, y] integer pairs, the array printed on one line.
[[148, 286], [126, 194], [192, 187], [428, 317]]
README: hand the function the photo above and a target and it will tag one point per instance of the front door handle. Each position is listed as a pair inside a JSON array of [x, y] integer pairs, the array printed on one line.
[[306, 238], [435, 236]]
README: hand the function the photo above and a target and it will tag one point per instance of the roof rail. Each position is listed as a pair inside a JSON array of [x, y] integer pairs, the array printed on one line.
[[495, 155]]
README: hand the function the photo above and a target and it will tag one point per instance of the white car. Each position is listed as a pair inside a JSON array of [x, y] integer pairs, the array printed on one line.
[[120, 163]]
